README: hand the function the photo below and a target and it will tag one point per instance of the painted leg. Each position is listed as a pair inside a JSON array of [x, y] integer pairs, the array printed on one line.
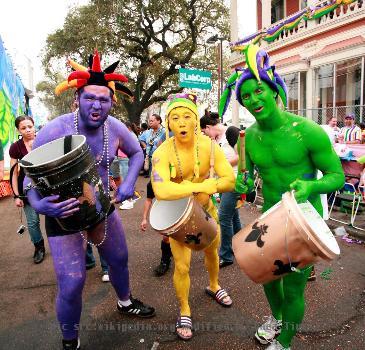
[[68, 254], [115, 253], [275, 296], [212, 263], [182, 257], [293, 308]]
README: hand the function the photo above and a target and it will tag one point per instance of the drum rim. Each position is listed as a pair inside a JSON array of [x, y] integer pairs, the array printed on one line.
[[290, 203], [33, 166], [181, 220]]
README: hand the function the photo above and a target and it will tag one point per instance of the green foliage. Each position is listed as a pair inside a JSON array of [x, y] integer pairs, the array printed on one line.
[[150, 38]]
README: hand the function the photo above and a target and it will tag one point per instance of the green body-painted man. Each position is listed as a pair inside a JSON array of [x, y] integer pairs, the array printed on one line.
[[287, 150]]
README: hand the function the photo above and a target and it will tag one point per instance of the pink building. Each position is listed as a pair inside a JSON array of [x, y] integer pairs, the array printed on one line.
[[319, 49]]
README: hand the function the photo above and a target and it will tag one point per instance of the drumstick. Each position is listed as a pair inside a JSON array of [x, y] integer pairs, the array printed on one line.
[[211, 162], [242, 156]]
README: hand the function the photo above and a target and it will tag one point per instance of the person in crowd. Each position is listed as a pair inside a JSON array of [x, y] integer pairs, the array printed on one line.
[[105, 135], [142, 137], [350, 133], [287, 150], [229, 217], [25, 126], [152, 138], [362, 127], [332, 130], [166, 254], [90, 263], [180, 169]]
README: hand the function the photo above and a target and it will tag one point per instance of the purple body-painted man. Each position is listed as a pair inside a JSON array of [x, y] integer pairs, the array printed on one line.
[[68, 250]]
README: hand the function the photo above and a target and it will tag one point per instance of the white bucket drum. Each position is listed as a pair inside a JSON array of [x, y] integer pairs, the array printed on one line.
[[184, 220], [288, 236]]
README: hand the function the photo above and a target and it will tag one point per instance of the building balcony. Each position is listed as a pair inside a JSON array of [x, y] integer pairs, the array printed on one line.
[[344, 15], [336, 19]]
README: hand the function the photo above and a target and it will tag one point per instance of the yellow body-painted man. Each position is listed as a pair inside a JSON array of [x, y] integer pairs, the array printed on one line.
[[181, 168]]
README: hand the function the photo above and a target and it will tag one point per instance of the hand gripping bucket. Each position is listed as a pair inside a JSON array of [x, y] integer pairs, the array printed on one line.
[[184, 220], [286, 237], [66, 167]]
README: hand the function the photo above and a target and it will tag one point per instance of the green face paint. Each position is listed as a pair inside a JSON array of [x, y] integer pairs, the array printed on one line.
[[258, 98]]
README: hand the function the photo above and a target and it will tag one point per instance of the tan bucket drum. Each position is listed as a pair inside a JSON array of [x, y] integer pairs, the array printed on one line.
[[184, 220], [287, 237]]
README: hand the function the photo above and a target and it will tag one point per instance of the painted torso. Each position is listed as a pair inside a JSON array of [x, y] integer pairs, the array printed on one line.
[[119, 137], [282, 156]]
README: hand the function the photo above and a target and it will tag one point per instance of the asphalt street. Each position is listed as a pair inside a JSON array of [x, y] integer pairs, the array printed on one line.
[[334, 319]]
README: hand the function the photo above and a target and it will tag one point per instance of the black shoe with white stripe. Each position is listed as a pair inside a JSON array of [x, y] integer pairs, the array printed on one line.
[[137, 308], [73, 344]]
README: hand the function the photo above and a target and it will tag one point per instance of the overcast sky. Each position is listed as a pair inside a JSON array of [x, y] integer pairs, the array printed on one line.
[[25, 24]]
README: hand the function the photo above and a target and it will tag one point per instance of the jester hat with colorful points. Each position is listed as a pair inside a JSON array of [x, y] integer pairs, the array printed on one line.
[[93, 75], [258, 67], [189, 101]]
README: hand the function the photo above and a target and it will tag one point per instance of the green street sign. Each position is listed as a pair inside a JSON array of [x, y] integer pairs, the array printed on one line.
[[195, 79]]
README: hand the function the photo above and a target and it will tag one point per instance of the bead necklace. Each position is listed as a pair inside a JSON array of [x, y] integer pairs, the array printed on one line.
[[179, 163], [105, 151], [105, 135]]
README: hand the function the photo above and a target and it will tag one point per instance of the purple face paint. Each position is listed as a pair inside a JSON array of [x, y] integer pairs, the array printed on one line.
[[95, 103]]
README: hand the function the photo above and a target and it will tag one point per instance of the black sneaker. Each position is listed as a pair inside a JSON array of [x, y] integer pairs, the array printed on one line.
[[224, 263], [73, 344], [161, 269], [137, 308]]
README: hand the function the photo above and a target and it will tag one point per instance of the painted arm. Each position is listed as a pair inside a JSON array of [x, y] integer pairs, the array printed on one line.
[[325, 159], [244, 181]]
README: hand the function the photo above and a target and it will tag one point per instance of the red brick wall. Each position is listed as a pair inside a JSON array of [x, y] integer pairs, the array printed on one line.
[[292, 6], [259, 14]]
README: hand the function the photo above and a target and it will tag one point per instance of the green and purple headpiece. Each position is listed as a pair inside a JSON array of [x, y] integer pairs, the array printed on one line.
[[258, 67]]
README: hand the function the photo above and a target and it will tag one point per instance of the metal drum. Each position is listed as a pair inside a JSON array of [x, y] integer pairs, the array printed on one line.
[[66, 167]]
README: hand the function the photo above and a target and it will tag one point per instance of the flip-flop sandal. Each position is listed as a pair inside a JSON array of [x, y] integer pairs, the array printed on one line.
[[184, 322], [218, 296]]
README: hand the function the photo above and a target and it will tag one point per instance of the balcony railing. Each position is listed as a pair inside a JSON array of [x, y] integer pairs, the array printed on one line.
[[341, 12], [304, 22], [322, 115]]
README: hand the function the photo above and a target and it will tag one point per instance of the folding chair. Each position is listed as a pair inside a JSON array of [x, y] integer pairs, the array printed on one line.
[[360, 202], [345, 198], [257, 184]]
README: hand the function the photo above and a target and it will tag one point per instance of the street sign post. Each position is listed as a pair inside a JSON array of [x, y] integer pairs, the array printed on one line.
[[195, 79]]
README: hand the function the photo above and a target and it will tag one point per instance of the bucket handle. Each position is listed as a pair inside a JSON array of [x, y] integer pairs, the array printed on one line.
[[292, 268]]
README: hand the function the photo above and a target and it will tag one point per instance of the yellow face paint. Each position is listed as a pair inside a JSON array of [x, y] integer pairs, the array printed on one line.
[[182, 122]]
